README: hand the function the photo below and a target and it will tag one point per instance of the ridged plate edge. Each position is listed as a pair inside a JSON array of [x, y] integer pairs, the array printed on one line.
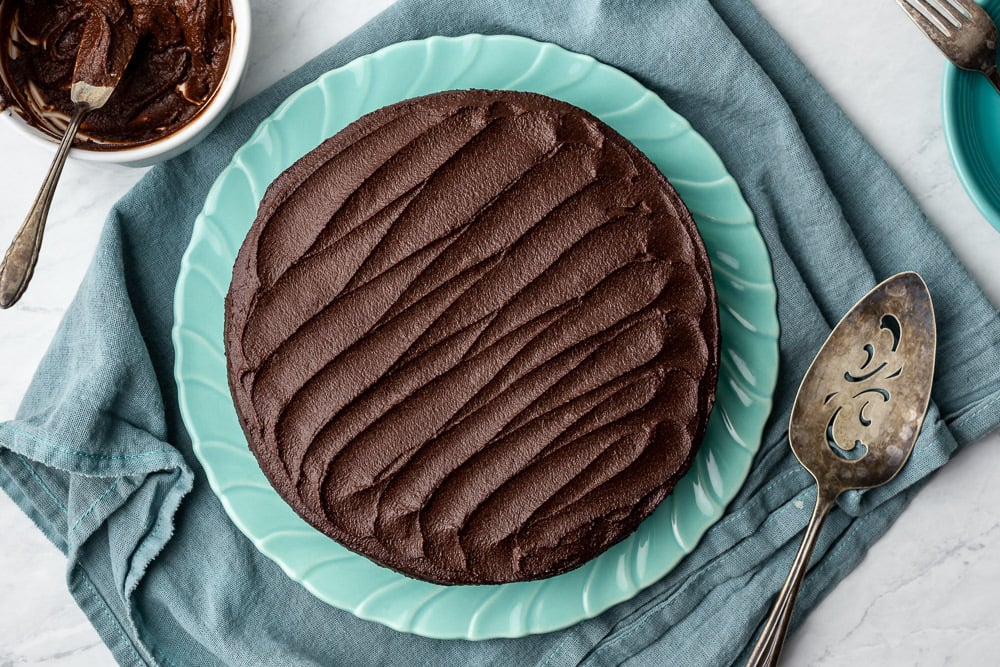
[[748, 320]]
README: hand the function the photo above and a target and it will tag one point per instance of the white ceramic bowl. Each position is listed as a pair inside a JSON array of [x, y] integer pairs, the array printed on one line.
[[188, 135]]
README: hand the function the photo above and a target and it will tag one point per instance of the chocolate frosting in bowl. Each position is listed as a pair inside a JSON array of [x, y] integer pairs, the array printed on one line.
[[181, 53], [473, 336]]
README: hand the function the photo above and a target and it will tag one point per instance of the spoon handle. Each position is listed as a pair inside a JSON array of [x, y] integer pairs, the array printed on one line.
[[22, 255], [768, 647]]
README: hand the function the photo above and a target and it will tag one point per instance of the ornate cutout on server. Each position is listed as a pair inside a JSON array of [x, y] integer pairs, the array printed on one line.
[[862, 384]]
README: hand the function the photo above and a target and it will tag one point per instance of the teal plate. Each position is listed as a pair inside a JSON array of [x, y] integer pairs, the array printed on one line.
[[742, 272], [972, 130]]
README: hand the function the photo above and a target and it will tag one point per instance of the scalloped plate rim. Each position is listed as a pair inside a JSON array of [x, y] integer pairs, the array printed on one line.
[[767, 341]]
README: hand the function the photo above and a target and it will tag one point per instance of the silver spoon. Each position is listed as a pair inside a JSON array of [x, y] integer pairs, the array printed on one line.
[[19, 261], [857, 415]]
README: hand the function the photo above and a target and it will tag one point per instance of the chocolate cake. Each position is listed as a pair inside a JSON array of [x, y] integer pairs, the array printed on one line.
[[473, 336]]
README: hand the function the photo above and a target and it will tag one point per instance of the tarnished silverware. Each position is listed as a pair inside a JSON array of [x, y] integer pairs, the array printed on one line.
[[857, 415], [93, 84], [22, 255], [963, 31]]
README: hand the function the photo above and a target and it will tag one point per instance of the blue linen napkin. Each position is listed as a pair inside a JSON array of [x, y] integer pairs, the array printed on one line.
[[98, 456]]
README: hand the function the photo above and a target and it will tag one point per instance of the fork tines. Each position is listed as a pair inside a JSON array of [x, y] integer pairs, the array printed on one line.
[[942, 16]]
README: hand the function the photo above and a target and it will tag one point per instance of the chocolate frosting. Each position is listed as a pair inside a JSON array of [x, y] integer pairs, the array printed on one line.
[[473, 336], [174, 54]]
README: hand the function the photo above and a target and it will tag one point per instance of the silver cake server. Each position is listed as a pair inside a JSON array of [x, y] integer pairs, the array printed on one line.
[[857, 415]]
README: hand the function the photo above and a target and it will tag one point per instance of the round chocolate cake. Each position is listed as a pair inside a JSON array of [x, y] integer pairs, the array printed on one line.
[[473, 336]]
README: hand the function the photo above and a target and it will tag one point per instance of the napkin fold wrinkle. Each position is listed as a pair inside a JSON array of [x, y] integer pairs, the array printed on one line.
[[98, 456]]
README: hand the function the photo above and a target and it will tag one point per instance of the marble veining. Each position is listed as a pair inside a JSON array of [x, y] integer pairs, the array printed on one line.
[[925, 594]]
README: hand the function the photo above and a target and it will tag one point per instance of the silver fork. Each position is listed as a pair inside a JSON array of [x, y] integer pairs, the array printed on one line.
[[963, 31]]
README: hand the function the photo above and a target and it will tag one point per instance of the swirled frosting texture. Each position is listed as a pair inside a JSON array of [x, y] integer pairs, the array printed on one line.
[[174, 55], [473, 336]]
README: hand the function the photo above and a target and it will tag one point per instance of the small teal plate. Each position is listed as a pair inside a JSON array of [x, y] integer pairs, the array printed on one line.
[[749, 324], [972, 130]]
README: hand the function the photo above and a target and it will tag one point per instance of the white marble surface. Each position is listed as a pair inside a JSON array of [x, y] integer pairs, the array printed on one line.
[[927, 594]]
